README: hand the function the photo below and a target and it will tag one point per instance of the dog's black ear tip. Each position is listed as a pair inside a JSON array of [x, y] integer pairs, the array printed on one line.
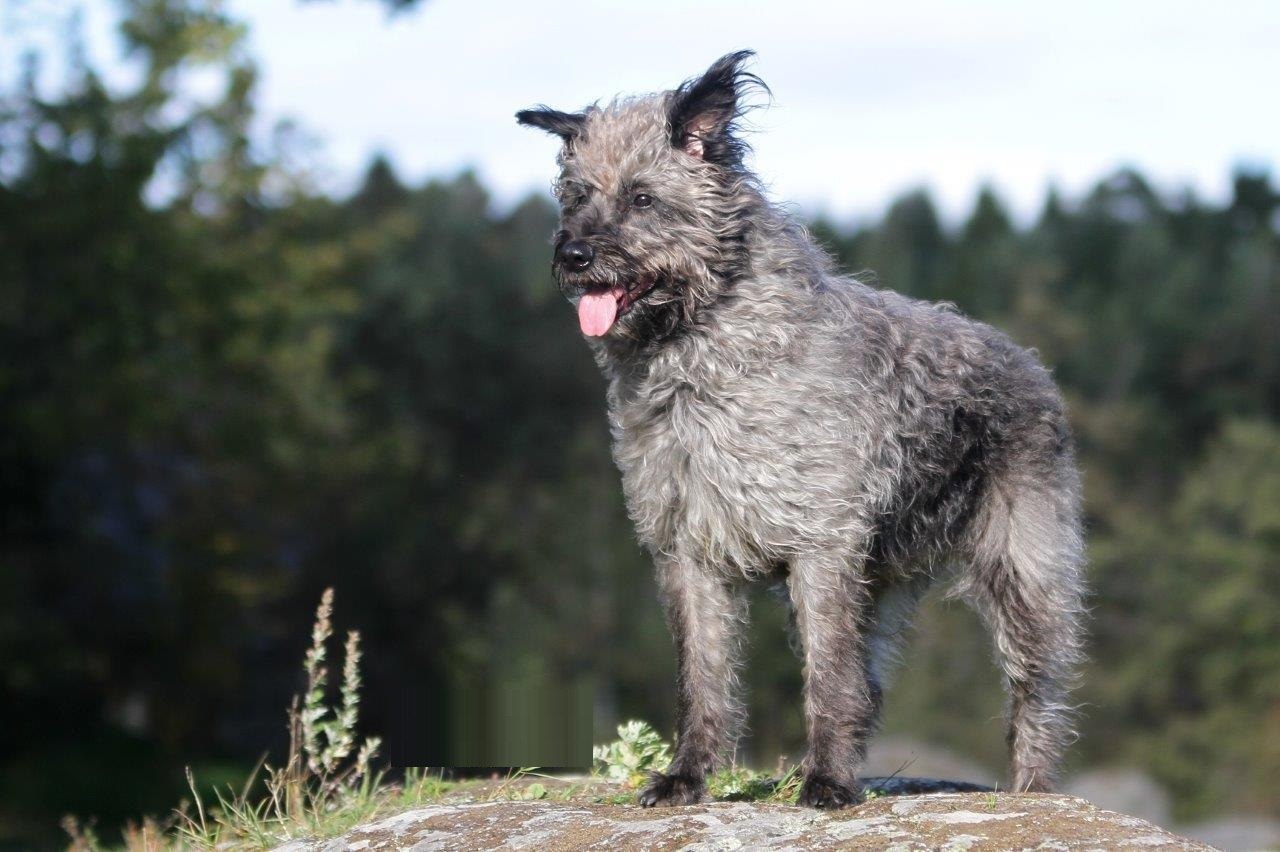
[[727, 73], [566, 125], [731, 63]]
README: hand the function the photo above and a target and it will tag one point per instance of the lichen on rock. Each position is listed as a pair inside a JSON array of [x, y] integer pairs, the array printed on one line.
[[584, 817]]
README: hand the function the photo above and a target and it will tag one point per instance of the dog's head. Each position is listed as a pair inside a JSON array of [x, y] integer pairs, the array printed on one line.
[[655, 203]]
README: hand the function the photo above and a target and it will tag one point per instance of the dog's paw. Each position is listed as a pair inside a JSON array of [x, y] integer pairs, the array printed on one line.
[[826, 793], [664, 790]]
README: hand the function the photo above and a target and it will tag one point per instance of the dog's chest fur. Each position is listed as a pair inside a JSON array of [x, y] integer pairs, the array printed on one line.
[[731, 454]]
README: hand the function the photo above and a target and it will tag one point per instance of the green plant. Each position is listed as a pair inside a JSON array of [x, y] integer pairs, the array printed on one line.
[[787, 790], [322, 788], [420, 786], [507, 791], [83, 837], [326, 742], [638, 751], [565, 793], [533, 791], [739, 784], [615, 799]]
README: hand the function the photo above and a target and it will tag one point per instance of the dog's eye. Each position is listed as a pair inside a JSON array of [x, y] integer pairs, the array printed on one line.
[[642, 200]]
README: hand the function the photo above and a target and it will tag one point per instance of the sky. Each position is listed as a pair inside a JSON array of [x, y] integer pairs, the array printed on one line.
[[869, 99]]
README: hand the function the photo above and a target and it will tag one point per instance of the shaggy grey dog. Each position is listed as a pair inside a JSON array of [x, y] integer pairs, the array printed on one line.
[[775, 420]]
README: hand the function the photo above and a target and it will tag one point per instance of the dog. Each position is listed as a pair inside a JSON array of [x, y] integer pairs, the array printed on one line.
[[775, 420]]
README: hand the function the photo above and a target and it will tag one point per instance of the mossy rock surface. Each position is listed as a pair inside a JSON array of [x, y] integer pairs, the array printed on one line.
[[584, 815]]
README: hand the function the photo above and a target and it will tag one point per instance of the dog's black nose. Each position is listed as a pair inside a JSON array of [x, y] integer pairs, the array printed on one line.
[[576, 254]]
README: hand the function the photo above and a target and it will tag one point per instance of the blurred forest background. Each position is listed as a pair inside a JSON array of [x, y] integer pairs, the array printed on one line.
[[222, 390]]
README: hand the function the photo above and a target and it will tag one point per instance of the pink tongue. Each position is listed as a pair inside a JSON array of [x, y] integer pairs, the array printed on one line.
[[597, 311]]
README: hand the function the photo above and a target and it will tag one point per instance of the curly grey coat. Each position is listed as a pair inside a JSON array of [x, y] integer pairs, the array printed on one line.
[[773, 419]]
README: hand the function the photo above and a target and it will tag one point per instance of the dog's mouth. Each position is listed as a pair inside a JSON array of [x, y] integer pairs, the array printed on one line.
[[599, 309]]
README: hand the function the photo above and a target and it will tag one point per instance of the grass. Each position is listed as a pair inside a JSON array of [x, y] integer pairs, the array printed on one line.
[[739, 784], [327, 785]]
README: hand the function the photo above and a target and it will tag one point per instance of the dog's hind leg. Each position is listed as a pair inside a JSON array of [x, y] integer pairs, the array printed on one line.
[[1026, 582], [705, 614], [893, 609]]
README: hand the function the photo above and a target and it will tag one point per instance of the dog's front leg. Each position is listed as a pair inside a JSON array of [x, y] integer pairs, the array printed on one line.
[[705, 614], [830, 601]]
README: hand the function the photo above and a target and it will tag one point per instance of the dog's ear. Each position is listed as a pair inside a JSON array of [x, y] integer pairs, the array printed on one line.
[[703, 111], [566, 125]]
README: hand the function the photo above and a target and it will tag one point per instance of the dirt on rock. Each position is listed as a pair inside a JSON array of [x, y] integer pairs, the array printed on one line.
[[584, 817]]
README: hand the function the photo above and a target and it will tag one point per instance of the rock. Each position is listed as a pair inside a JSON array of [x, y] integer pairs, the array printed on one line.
[[584, 820]]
